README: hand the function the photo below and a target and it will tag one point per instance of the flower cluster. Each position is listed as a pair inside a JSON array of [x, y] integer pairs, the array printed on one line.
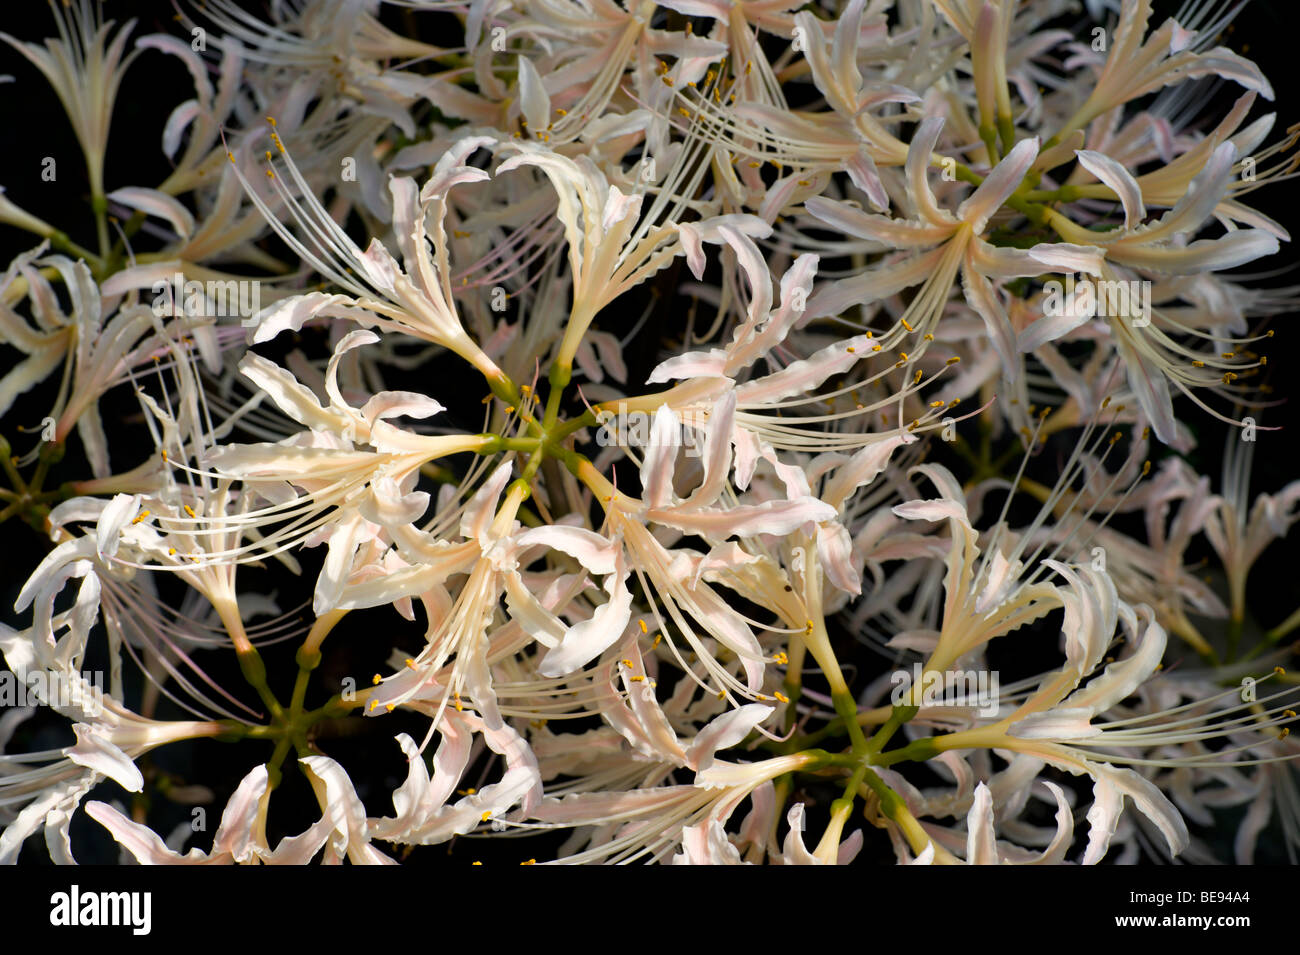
[[751, 564]]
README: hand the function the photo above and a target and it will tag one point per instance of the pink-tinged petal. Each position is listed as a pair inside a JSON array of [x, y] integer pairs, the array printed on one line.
[[587, 640], [717, 9], [844, 46], [234, 835], [801, 377], [527, 611], [863, 467], [794, 851], [1059, 723], [835, 552], [95, 751], [1204, 255], [534, 101], [155, 203], [917, 169], [481, 509], [660, 458], [926, 857], [935, 510], [1110, 787], [755, 269], [895, 233], [1120, 181], [291, 313], [707, 844], [873, 284], [1122, 678], [1055, 852], [717, 452], [693, 245], [299, 849], [596, 553], [451, 169], [394, 404], [1069, 257], [998, 185], [141, 841], [619, 207], [746, 520], [1150, 389], [981, 841], [290, 396], [723, 732], [695, 364], [347, 815], [864, 174], [117, 514], [1051, 327], [984, 299]]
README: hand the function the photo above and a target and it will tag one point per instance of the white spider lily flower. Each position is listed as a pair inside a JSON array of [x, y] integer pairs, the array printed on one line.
[[240, 837], [981, 601], [1135, 67], [982, 846], [424, 815], [85, 67], [955, 246], [612, 247], [418, 300], [650, 822]]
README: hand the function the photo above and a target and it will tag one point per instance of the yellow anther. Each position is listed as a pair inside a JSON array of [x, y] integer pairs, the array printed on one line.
[[271, 120], [268, 154], [851, 349], [875, 347], [644, 628], [626, 662], [410, 664], [140, 517], [373, 704], [390, 706], [1198, 364], [190, 511], [953, 360], [486, 816], [476, 862], [270, 174], [781, 696], [1286, 731], [164, 454], [171, 551], [781, 658], [529, 862], [376, 680], [905, 325], [658, 637]]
